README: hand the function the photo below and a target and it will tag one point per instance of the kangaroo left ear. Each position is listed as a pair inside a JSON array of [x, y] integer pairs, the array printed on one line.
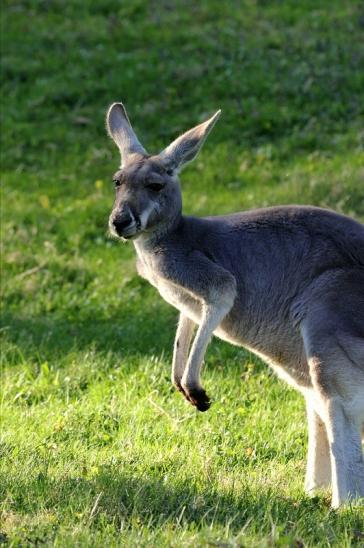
[[186, 147], [120, 130]]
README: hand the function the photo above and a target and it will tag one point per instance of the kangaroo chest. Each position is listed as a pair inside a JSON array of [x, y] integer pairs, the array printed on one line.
[[173, 294]]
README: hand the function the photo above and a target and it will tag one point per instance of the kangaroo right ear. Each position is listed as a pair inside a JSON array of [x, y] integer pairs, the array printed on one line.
[[186, 147], [120, 130]]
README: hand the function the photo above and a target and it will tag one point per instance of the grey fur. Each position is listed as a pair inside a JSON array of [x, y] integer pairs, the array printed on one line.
[[186, 147], [285, 282], [120, 130]]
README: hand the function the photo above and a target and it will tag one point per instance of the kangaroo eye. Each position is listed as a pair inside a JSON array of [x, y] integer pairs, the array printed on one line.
[[117, 182], [156, 187]]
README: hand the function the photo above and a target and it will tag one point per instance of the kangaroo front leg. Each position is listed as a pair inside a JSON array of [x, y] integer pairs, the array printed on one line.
[[182, 344], [212, 317], [212, 288]]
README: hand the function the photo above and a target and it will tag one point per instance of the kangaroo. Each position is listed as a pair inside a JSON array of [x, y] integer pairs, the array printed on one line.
[[287, 283]]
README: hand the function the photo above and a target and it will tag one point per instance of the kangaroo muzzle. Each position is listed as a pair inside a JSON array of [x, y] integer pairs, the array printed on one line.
[[124, 224]]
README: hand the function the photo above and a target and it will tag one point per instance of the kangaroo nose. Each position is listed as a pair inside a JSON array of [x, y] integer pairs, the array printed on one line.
[[121, 223]]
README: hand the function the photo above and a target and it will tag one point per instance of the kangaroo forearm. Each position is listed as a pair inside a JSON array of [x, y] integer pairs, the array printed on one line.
[[212, 317]]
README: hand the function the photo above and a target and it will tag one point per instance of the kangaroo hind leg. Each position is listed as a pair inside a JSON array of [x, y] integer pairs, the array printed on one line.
[[337, 373], [318, 472]]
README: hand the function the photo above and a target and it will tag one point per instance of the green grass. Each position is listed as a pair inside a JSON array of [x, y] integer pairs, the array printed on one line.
[[97, 448]]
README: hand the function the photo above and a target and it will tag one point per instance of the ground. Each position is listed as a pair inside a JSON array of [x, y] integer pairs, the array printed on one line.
[[97, 447]]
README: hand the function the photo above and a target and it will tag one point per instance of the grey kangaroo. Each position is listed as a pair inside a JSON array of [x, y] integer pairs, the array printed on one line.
[[287, 283]]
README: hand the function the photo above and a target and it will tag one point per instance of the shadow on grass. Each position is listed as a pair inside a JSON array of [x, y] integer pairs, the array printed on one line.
[[129, 331], [51, 338], [133, 502]]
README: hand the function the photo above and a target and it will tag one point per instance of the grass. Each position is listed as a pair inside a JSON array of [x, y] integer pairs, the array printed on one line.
[[97, 448]]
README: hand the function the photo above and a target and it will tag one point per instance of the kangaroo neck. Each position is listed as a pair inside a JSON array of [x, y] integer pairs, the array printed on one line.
[[150, 241]]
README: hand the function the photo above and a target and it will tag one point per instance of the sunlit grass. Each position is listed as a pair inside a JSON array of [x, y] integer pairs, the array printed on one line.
[[97, 448]]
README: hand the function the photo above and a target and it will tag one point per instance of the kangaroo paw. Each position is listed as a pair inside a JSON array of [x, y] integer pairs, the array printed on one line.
[[198, 398]]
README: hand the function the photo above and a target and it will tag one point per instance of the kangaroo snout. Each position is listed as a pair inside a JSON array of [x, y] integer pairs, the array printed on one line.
[[124, 224]]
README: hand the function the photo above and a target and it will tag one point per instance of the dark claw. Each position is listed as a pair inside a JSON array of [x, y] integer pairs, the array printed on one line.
[[199, 398]]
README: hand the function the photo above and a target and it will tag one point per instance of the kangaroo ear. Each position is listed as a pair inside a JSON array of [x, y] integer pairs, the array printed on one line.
[[186, 147], [120, 130]]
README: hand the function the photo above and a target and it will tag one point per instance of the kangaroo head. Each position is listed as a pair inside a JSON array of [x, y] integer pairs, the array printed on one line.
[[147, 189]]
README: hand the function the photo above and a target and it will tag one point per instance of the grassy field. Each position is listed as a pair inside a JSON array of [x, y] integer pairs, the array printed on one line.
[[97, 448]]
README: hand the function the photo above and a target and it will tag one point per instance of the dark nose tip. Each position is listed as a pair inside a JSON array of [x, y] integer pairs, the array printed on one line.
[[121, 223]]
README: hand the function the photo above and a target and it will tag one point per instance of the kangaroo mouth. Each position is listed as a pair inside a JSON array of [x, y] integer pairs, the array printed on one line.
[[129, 236], [131, 232], [127, 233]]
